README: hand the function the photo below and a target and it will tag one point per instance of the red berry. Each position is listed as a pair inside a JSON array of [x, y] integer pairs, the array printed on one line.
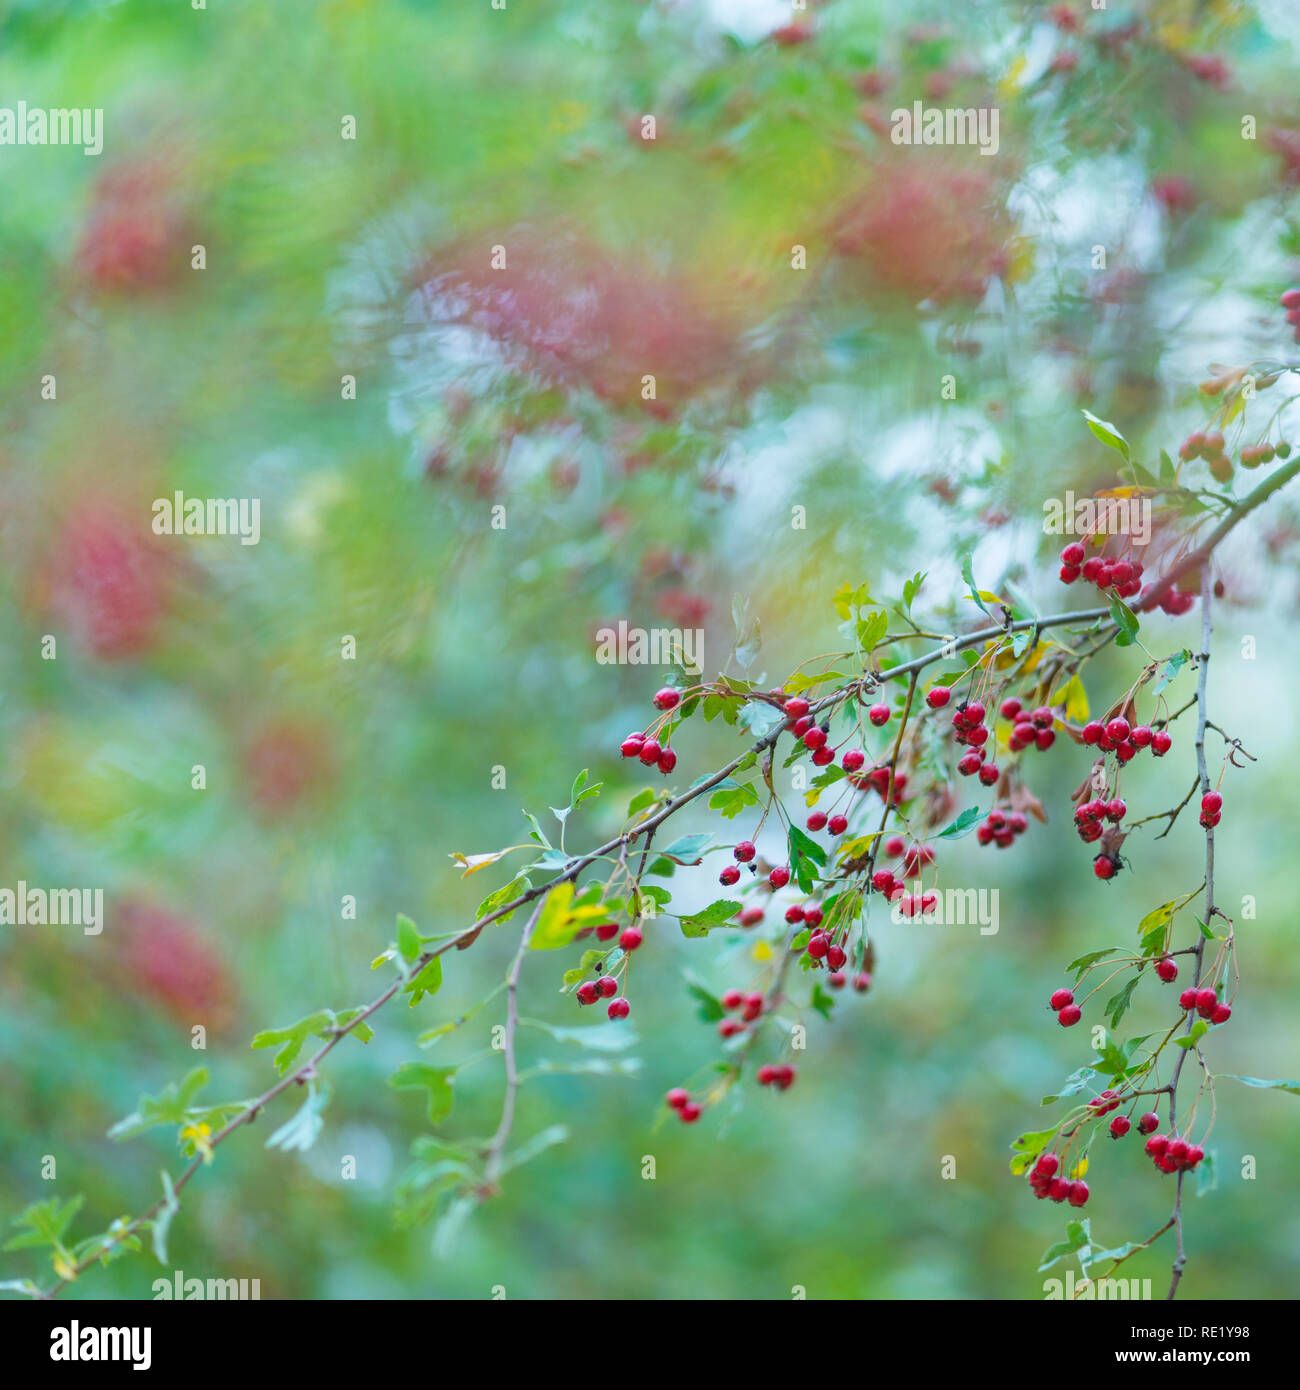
[[1078, 1193], [631, 745], [1069, 1016], [1059, 1189], [1221, 1013], [767, 1074], [988, 774], [803, 724], [817, 821], [812, 916], [1073, 554], [1120, 1126], [690, 1112], [667, 761], [729, 875], [1141, 736], [1011, 707], [732, 999], [587, 993], [779, 877], [974, 713], [1047, 1164], [1187, 999], [818, 945], [1061, 998], [650, 751], [1044, 739], [794, 914], [631, 938], [815, 737], [785, 1076], [619, 1008], [1157, 1144], [744, 851], [1103, 866], [1291, 299], [1167, 970], [1211, 802], [606, 986], [677, 1097], [729, 1027], [1092, 731], [882, 881], [1148, 1122], [796, 707], [1118, 730], [862, 982], [667, 698], [751, 917], [1116, 809], [607, 931], [1206, 999], [1177, 1150], [1161, 742], [937, 696], [1024, 732], [823, 757], [837, 825], [1194, 1155], [837, 979], [852, 760], [835, 957], [878, 714], [970, 763]]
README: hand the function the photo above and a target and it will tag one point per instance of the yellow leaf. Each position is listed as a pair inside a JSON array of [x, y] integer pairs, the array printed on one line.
[[1008, 83], [1079, 1168], [472, 863], [762, 951]]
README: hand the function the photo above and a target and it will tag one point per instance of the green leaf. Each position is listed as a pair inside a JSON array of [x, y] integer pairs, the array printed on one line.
[[687, 849], [437, 1080], [760, 718], [717, 914], [1125, 620], [1117, 1005], [301, 1131], [731, 801], [968, 574], [710, 1010], [805, 855], [162, 1221], [612, 1036], [1081, 963], [408, 938], [531, 1148], [1077, 1238], [1026, 1147], [1074, 1083], [963, 825], [1107, 433], [1293, 1087], [1170, 669], [645, 797], [823, 1002], [292, 1039], [47, 1223], [169, 1108], [426, 981], [913, 587], [1199, 1029]]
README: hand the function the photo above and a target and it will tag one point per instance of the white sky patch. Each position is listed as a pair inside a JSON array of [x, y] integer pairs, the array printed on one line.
[[749, 20]]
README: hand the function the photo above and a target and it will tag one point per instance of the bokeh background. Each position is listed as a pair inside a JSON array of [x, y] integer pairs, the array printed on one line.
[[369, 258]]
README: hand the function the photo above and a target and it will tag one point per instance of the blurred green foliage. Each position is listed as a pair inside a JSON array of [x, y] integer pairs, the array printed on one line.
[[329, 257]]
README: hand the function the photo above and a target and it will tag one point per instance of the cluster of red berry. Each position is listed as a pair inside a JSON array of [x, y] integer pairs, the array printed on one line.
[[649, 750], [1032, 730], [750, 1006], [1088, 818], [1212, 448], [1119, 737], [1291, 303], [1106, 572], [1068, 1013], [680, 1100], [606, 986], [778, 1074], [1170, 1153], [1206, 1003], [1001, 827], [836, 824], [1211, 810], [805, 728], [1045, 1182]]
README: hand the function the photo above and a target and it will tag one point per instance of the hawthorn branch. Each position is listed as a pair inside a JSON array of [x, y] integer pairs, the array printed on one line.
[[1194, 559], [494, 1155], [1202, 721]]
